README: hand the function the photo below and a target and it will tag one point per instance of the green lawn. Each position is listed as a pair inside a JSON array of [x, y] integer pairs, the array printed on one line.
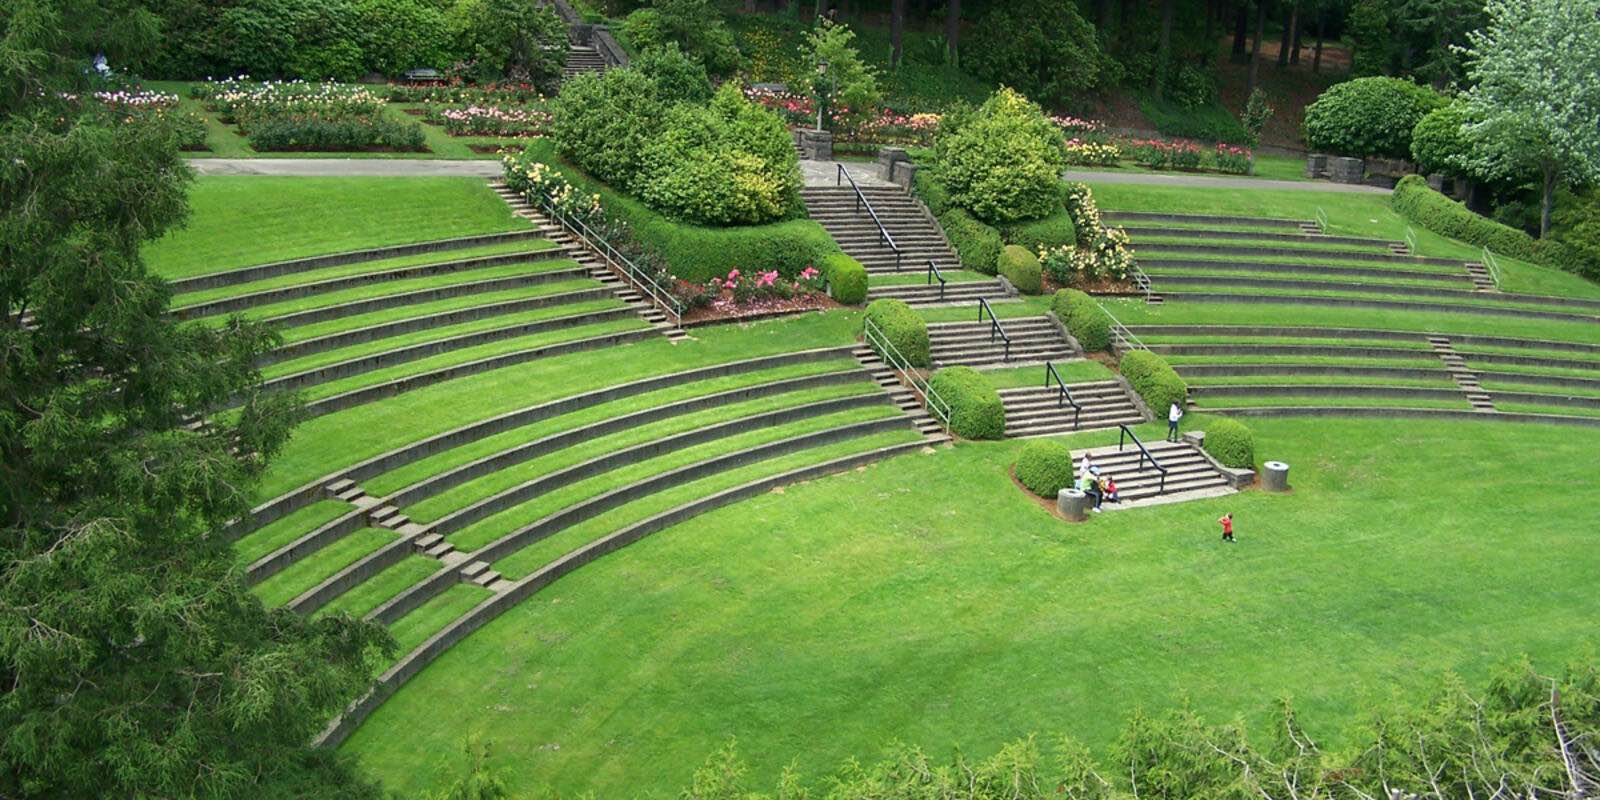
[[241, 221], [925, 617]]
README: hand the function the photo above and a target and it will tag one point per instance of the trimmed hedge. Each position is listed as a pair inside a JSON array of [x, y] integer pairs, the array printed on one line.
[[1021, 268], [1047, 232], [1154, 380], [976, 411], [847, 279], [696, 253], [1045, 467], [1418, 202], [1230, 442], [904, 328], [978, 245], [1368, 117], [1084, 318], [931, 190]]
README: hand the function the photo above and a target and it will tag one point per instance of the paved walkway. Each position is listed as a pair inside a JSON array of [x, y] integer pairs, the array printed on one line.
[[346, 167], [1208, 182], [826, 173]]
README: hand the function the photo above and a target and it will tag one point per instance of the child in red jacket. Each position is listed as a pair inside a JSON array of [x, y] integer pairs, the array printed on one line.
[[1227, 526]]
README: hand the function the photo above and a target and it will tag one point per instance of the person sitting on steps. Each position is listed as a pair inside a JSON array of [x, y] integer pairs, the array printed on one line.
[[1108, 488], [1090, 486]]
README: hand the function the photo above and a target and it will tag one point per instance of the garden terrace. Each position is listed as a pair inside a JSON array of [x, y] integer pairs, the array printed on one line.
[[1028, 340]]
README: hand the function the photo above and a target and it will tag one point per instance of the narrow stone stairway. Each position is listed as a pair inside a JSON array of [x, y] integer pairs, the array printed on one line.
[[581, 61], [905, 399], [974, 344], [916, 234], [1189, 474], [1040, 410]]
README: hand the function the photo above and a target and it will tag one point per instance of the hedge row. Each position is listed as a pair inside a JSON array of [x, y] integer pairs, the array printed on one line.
[[1021, 268], [977, 244], [847, 279], [1418, 202], [905, 329], [976, 411], [1230, 442], [697, 253], [1155, 381], [1049, 232], [1045, 467], [1084, 318]]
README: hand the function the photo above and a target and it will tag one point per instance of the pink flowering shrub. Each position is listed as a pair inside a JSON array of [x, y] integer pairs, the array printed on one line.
[[1233, 159]]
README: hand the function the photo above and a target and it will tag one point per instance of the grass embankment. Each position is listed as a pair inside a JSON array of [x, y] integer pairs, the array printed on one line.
[[242, 221], [945, 608]]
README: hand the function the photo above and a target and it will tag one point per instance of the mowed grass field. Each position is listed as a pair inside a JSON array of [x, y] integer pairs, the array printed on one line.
[[925, 599]]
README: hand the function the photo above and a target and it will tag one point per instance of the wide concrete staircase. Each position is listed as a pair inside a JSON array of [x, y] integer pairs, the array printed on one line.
[[916, 235], [1188, 474], [581, 61], [975, 344], [1042, 411]]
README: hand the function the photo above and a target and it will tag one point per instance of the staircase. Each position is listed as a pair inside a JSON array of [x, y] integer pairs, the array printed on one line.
[[1189, 474], [903, 397], [916, 234], [973, 344], [1040, 411], [581, 61]]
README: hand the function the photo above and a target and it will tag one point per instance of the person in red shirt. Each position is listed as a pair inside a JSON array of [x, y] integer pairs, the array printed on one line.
[[1227, 526]]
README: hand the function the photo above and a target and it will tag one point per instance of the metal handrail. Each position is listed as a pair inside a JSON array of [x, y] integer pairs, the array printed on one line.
[[933, 272], [1142, 282], [861, 200], [614, 258], [1322, 220], [1144, 453], [1411, 241], [1065, 395], [878, 341], [1122, 337], [994, 325], [1493, 264]]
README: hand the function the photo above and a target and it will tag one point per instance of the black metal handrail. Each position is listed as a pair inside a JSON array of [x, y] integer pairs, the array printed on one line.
[[641, 279], [937, 406], [1144, 453], [861, 200], [1064, 397], [994, 325], [933, 272]]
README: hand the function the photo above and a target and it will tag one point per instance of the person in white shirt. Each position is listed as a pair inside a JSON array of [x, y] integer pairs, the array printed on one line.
[[1173, 415]]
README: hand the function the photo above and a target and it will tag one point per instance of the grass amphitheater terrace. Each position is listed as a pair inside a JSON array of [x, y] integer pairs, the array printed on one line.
[[609, 545]]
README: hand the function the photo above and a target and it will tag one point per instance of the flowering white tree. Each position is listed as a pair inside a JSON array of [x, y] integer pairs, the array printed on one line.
[[1535, 92]]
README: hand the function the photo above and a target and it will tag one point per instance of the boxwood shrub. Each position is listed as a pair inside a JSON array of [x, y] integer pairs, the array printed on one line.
[[1021, 268], [931, 190], [904, 328], [847, 279], [976, 411], [1036, 234], [1045, 467], [1229, 441], [1368, 117], [1418, 202], [1154, 379], [1084, 318], [978, 245], [697, 253]]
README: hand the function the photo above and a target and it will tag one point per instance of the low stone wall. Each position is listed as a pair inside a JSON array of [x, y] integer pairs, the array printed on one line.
[[1154, 267], [1407, 413], [1298, 252], [386, 302], [1309, 350], [1350, 302], [1316, 285]]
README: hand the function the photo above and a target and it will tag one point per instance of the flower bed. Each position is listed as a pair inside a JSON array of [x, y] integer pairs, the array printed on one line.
[[301, 116], [490, 121], [140, 106], [1102, 259], [1081, 153], [459, 93]]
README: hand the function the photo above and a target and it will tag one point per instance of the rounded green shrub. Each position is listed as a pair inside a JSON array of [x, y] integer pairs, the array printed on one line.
[[847, 279], [1055, 230], [1439, 141], [904, 328], [1004, 164], [931, 190], [978, 245], [1368, 117], [1154, 379], [1229, 441], [1021, 268], [1084, 318], [1045, 467], [976, 411], [678, 77]]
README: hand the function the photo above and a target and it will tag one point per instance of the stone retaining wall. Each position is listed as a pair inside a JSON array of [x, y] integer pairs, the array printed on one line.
[[1157, 266], [386, 302], [1398, 305], [1406, 413], [1293, 252]]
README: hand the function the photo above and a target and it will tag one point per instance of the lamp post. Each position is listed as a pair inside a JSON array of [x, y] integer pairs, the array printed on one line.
[[822, 69]]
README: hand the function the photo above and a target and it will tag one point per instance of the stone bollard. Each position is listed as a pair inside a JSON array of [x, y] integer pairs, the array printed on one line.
[[1275, 476], [1316, 166], [1196, 438], [1347, 170], [1074, 505], [818, 145]]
